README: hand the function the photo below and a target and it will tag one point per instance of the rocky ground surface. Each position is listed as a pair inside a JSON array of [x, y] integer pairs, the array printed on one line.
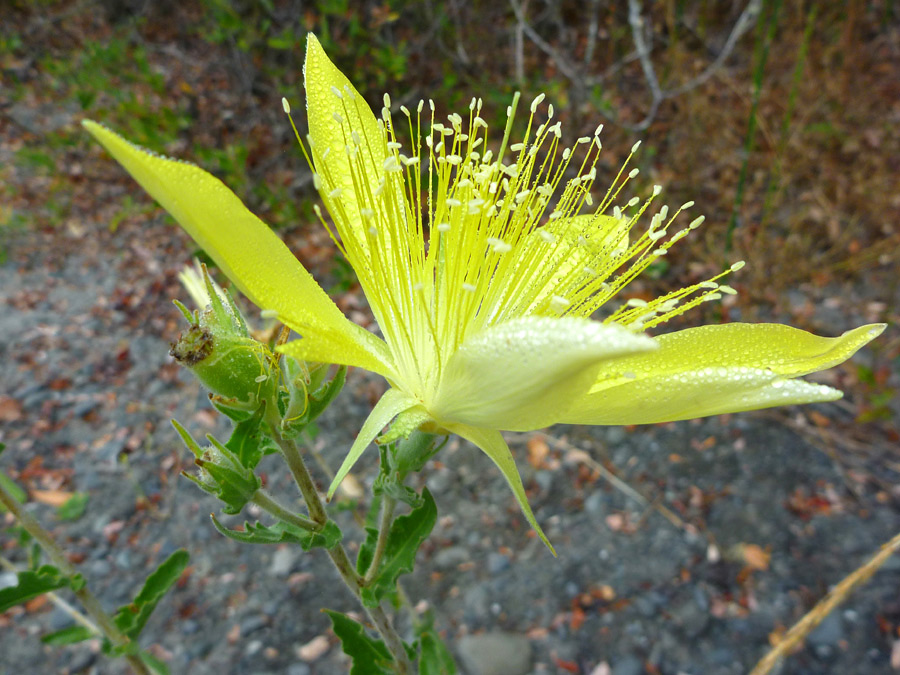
[[728, 531]]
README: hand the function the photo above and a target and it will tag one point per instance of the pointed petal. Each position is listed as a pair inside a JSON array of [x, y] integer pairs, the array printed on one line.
[[493, 445], [329, 137], [389, 406], [244, 247], [523, 374], [716, 369]]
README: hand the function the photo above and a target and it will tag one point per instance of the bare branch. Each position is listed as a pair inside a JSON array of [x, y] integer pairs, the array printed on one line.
[[561, 62]]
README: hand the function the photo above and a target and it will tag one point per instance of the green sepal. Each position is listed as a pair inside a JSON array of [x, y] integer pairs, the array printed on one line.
[[403, 425], [132, 618], [368, 655], [413, 452], [32, 583], [322, 397], [248, 441], [221, 471], [404, 538], [328, 537], [68, 636], [230, 408], [434, 656]]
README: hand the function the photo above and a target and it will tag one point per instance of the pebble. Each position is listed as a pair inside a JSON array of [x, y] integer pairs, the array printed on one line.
[[283, 561], [628, 665], [495, 654], [497, 563], [253, 623]]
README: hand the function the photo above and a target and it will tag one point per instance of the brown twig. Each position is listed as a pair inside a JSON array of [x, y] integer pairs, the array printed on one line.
[[836, 596]]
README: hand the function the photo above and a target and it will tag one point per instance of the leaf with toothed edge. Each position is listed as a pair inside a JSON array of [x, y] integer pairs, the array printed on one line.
[[328, 537], [369, 656]]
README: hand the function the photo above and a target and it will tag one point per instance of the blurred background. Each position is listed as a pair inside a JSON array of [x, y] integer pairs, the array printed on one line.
[[780, 119]]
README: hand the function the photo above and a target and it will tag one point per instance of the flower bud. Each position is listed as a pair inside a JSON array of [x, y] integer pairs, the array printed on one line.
[[219, 350]]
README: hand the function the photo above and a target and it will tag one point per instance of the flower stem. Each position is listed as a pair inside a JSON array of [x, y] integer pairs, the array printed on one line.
[[387, 515], [268, 504], [338, 553], [88, 600]]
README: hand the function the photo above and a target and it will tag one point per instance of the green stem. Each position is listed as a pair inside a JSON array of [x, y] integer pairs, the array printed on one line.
[[338, 554], [387, 515], [88, 600], [268, 504]]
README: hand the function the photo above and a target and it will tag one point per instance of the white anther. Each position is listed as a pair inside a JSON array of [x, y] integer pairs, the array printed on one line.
[[286, 105], [634, 148], [443, 227], [656, 190], [738, 265], [468, 288], [536, 102], [386, 99], [697, 222], [337, 118], [633, 173]]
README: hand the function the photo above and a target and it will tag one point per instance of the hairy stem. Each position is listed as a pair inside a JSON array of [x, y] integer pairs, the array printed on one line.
[[88, 600], [269, 505], [387, 515], [338, 554]]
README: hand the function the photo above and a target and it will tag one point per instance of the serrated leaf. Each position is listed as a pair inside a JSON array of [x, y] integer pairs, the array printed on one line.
[[404, 538], [73, 508], [369, 656], [68, 636], [32, 583], [328, 537], [132, 617]]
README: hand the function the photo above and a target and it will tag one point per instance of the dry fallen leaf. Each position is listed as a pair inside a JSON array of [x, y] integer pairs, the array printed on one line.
[[51, 497], [537, 452]]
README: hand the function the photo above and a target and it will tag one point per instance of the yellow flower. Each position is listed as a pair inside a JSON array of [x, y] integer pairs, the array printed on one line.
[[483, 278]]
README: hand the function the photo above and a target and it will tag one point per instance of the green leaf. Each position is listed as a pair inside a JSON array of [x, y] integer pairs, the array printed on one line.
[[73, 508], [32, 583], [12, 488], [68, 636], [369, 656], [154, 664], [328, 537], [248, 442], [404, 538], [434, 657], [132, 617]]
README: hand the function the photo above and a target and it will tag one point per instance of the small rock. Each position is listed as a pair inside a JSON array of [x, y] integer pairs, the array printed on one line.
[[825, 637], [495, 654], [451, 557], [497, 563], [628, 665], [283, 562], [253, 623], [298, 669]]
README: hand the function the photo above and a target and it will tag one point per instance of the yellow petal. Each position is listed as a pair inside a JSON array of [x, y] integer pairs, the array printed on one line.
[[716, 369], [493, 445], [388, 407], [329, 97], [523, 374], [244, 247]]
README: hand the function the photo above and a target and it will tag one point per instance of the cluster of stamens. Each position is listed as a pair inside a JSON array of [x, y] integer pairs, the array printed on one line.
[[471, 237]]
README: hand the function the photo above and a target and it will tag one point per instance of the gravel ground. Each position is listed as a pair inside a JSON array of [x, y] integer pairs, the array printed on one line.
[[746, 524]]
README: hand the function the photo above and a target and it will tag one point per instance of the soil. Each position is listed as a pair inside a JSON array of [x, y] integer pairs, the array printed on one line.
[[734, 528]]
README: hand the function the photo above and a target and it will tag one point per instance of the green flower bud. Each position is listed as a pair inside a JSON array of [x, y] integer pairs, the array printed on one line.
[[219, 350]]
